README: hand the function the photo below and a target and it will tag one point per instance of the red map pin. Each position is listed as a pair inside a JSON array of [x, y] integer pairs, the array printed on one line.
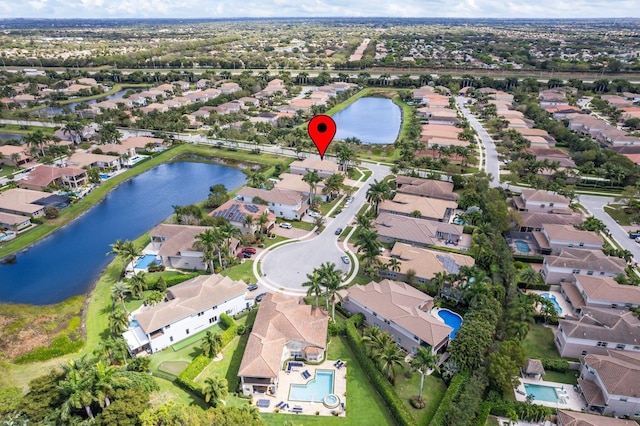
[[322, 129]]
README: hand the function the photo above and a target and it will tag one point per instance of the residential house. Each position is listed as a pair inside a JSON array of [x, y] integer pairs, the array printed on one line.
[[553, 97], [89, 160], [285, 328], [596, 330], [14, 222], [539, 201], [177, 246], [424, 263], [599, 292], [569, 261], [188, 308], [555, 238], [535, 221], [120, 150], [143, 143], [325, 168], [400, 310], [203, 83], [23, 202], [577, 418], [284, 203], [417, 232], [227, 108], [43, 176], [236, 213], [155, 107], [611, 383], [229, 87], [295, 183], [13, 155], [421, 207], [426, 188]]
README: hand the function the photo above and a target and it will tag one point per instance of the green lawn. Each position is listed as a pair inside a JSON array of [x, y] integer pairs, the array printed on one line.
[[7, 170], [307, 226], [243, 271], [229, 365], [616, 211], [170, 392], [271, 241], [539, 344], [364, 406], [325, 207], [432, 393]]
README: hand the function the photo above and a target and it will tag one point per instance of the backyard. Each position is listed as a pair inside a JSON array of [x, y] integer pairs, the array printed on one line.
[[539, 344]]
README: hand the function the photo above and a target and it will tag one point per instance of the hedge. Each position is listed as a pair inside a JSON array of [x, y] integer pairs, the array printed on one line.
[[483, 415], [226, 321], [173, 280], [557, 364], [397, 408], [61, 345], [189, 374], [542, 287], [527, 412], [528, 259], [454, 389]]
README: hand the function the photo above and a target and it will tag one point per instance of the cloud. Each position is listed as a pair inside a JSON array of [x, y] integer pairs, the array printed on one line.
[[318, 8]]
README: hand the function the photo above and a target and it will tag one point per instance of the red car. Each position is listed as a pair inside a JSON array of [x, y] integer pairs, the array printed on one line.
[[249, 250]]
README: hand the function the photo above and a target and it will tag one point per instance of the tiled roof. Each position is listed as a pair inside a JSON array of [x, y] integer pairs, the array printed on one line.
[[604, 325], [592, 260], [279, 196], [543, 196], [619, 372], [426, 188], [538, 220], [576, 418], [177, 237], [426, 263], [281, 319], [428, 207], [606, 288], [316, 164], [570, 233], [406, 228]]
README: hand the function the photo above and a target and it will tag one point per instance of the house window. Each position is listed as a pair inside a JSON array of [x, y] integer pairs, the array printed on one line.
[[602, 344], [581, 244], [200, 314], [375, 315], [576, 271], [213, 319], [623, 399], [187, 331], [229, 311], [636, 348], [583, 354], [171, 338], [416, 338], [621, 347], [589, 272], [550, 205], [570, 244], [167, 327], [602, 273], [614, 306]]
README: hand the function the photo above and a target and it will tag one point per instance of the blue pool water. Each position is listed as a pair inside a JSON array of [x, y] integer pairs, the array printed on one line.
[[522, 246], [315, 390], [553, 299], [452, 319], [541, 393], [104, 176], [145, 261], [134, 323]]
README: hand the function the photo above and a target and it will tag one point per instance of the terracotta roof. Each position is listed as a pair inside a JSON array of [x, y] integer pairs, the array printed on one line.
[[541, 196], [428, 207], [140, 141], [605, 325], [592, 393], [82, 159], [44, 175], [570, 233], [177, 237], [406, 228], [573, 418], [190, 298], [592, 260], [280, 320], [619, 372], [606, 288], [316, 164], [295, 183], [23, 200], [404, 305], [426, 188], [538, 220], [576, 299], [426, 263], [279, 196]]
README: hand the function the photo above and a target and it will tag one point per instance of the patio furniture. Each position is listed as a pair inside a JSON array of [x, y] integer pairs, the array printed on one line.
[[280, 404], [263, 403]]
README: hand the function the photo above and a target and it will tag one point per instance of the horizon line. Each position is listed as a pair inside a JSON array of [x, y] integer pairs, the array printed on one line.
[[321, 17]]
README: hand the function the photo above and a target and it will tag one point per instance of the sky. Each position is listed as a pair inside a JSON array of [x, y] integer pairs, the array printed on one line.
[[318, 8]]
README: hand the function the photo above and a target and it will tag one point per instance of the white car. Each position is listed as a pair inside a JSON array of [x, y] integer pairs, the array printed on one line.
[[314, 214], [285, 225]]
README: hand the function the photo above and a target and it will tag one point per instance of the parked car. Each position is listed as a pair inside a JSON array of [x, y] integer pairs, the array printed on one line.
[[244, 254], [260, 296], [249, 250], [345, 259], [314, 214], [634, 235], [285, 225], [338, 231], [350, 199], [252, 287]]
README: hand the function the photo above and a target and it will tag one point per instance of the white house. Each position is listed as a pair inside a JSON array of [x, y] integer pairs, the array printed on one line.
[[560, 237], [610, 383], [402, 311], [188, 308], [570, 261], [284, 203]]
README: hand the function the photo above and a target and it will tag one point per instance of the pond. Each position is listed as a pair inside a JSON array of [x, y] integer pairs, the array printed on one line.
[[372, 120], [10, 136], [69, 261], [51, 111]]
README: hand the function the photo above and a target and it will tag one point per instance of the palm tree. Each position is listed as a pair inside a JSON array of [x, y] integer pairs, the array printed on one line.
[[73, 128], [395, 264], [314, 284], [119, 291], [263, 219], [331, 280], [256, 179], [211, 344], [76, 389], [249, 221], [377, 192], [368, 244], [390, 359], [312, 178], [208, 241], [227, 232], [370, 337], [423, 361], [138, 283], [214, 389], [333, 184], [363, 220], [126, 250], [530, 276], [103, 381], [118, 322]]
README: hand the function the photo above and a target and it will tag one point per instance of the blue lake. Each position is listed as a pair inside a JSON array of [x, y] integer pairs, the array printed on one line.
[[68, 262], [372, 120], [10, 136]]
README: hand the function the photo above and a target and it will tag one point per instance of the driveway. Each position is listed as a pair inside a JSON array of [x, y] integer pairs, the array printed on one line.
[[286, 267]]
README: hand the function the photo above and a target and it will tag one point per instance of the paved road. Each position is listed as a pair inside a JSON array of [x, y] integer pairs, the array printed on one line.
[[491, 161], [287, 266]]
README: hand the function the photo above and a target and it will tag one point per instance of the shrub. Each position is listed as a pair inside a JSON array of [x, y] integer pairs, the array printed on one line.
[[416, 403], [559, 365], [524, 411], [392, 400], [171, 281], [51, 212], [61, 345], [483, 415], [454, 389], [188, 375], [241, 330], [226, 321]]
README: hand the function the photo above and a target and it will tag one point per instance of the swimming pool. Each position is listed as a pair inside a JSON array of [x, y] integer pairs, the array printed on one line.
[[7, 236], [452, 319], [553, 299], [522, 246], [145, 261], [134, 323], [315, 390], [541, 393], [104, 176]]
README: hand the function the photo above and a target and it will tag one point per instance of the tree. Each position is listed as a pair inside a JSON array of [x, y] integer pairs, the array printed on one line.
[[363, 220], [51, 212], [103, 383], [390, 360], [331, 280], [368, 244], [211, 344], [394, 264], [138, 283], [119, 291], [592, 224], [333, 184], [73, 129], [214, 389], [108, 133], [209, 241], [77, 391], [263, 219], [125, 250], [256, 179], [118, 321], [314, 284], [312, 178], [423, 361], [377, 192], [505, 364]]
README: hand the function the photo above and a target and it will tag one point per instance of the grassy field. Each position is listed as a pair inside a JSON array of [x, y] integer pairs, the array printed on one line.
[[243, 271], [616, 211], [433, 391], [539, 344], [23, 130]]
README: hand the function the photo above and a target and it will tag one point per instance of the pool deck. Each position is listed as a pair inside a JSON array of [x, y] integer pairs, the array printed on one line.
[[564, 305], [295, 377], [569, 399]]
